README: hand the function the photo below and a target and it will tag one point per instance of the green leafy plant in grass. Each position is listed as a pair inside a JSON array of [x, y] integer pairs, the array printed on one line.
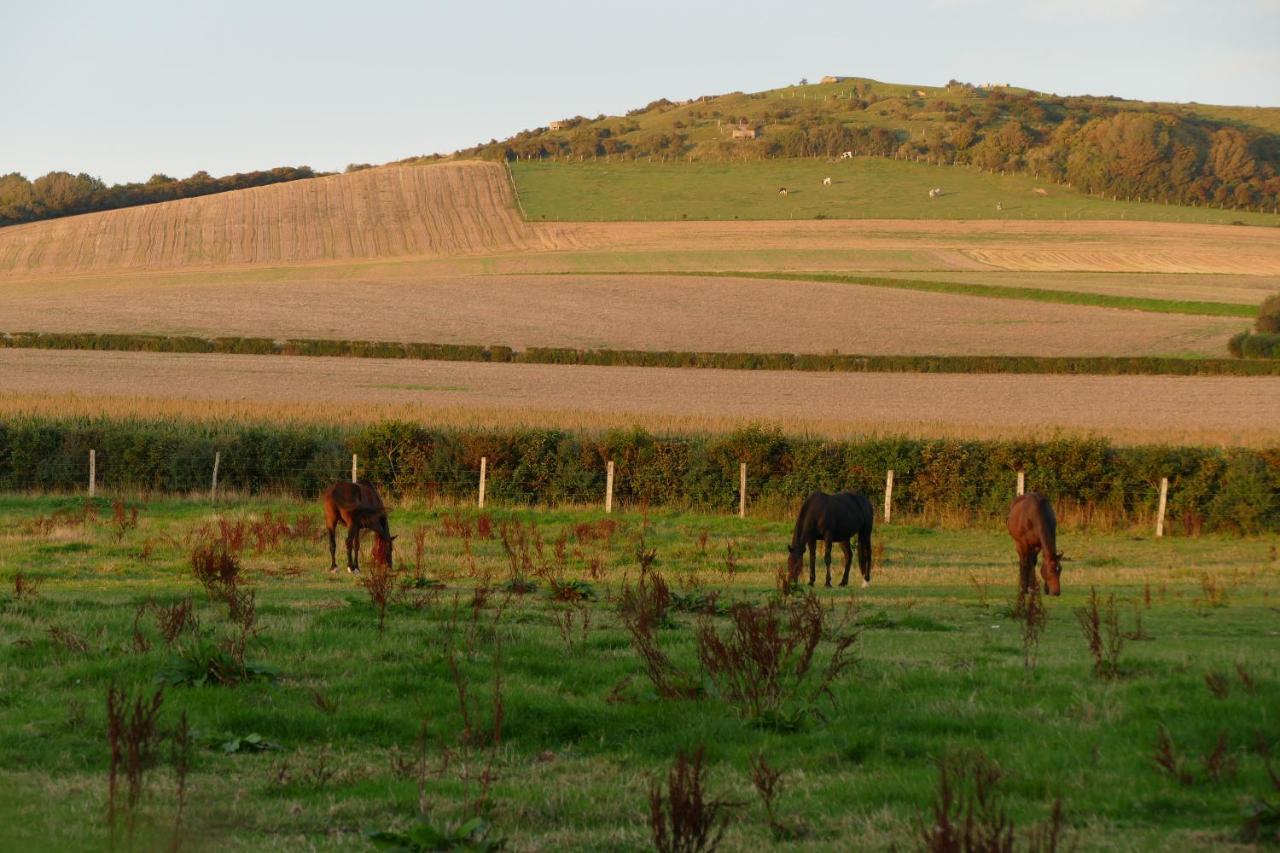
[[472, 835], [572, 590], [241, 745], [698, 601], [206, 663]]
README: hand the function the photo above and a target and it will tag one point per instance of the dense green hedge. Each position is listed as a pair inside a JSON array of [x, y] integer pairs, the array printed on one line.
[[1255, 345], [830, 362], [1232, 489]]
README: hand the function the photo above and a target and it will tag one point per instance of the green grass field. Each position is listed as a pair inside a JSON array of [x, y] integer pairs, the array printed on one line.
[[861, 188], [940, 672]]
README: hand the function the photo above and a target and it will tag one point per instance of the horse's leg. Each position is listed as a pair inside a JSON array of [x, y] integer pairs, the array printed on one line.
[[331, 523], [813, 561], [826, 557], [1029, 554], [847, 547], [353, 547]]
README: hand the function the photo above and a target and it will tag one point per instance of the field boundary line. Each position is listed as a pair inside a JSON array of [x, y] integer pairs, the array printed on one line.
[[986, 291]]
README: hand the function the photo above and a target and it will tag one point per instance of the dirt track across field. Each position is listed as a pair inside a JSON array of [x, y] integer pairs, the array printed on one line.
[[1144, 408]]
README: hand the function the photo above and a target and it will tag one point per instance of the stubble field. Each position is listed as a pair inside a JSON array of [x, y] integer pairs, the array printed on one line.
[[618, 312], [1159, 409]]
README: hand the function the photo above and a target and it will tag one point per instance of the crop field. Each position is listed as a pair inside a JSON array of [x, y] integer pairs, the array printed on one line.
[[1217, 410], [426, 211], [499, 674], [860, 188], [583, 311]]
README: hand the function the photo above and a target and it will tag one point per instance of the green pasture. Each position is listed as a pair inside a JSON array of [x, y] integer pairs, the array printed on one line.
[[940, 672], [861, 188]]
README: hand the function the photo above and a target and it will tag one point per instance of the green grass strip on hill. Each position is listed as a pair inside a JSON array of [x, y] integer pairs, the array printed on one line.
[[992, 291], [812, 362]]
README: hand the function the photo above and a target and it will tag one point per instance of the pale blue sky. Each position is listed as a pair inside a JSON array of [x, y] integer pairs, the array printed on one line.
[[122, 90]]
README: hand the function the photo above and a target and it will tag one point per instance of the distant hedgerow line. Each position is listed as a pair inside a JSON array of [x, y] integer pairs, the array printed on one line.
[[812, 362]]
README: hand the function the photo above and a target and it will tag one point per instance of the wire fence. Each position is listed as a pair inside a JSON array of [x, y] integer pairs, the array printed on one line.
[[99, 474]]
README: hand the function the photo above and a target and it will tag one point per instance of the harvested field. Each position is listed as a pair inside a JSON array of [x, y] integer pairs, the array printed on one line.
[[424, 211], [714, 314], [1128, 408]]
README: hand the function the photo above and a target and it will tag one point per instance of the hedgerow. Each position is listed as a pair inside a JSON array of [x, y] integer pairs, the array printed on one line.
[[1223, 489], [1257, 347]]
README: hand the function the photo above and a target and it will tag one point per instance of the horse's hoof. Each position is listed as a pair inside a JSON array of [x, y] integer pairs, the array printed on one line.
[[844, 583], [866, 583], [827, 584]]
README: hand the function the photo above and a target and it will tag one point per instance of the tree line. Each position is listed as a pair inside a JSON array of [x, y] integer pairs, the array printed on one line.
[[1105, 146], [64, 194]]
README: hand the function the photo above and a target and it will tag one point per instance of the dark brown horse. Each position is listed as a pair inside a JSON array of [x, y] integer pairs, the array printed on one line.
[[358, 506], [832, 518], [1034, 529]]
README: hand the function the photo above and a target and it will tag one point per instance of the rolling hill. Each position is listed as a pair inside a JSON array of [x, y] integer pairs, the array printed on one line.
[[1224, 157], [423, 212]]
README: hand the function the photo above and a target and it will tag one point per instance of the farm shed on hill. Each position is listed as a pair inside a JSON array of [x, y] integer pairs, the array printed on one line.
[[830, 78], [556, 125], [745, 131]]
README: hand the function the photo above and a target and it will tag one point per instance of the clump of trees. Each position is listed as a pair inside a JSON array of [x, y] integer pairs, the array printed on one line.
[[1264, 340], [64, 194]]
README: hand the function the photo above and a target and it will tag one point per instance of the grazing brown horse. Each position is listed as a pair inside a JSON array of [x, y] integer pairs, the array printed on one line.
[[1034, 529], [358, 506], [832, 518]]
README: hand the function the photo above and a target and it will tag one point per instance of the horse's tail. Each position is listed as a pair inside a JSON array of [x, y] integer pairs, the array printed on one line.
[[864, 536]]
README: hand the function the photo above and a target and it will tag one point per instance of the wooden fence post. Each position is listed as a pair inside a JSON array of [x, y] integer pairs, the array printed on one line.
[[213, 488], [888, 495], [93, 471], [742, 490], [1022, 483], [1164, 495], [354, 469], [608, 488], [484, 470]]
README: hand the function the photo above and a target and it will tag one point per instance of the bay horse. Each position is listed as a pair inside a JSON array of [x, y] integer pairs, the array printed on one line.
[[359, 507], [832, 518], [1034, 528]]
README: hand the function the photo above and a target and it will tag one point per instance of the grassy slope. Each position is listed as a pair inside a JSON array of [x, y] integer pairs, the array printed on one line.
[[942, 672], [862, 188]]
